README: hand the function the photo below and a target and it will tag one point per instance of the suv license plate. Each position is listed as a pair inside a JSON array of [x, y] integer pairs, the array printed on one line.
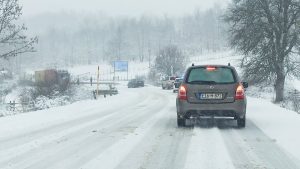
[[210, 96]]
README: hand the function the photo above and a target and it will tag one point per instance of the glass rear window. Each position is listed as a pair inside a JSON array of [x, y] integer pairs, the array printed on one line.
[[211, 75]]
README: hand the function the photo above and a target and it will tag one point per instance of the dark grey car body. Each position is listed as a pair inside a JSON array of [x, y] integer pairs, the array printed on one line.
[[134, 83], [177, 83], [226, 106]]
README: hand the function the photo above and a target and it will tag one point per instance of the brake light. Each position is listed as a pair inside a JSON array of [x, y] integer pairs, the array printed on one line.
[[182, 92], [240, 92], [210, 68]]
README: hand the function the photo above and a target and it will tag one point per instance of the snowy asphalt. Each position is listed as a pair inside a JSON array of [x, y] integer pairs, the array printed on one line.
[[135, 130]]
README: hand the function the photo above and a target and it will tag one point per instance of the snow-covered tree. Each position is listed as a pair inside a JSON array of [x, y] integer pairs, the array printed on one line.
[[267, 32], [12, 38], [170, 61]]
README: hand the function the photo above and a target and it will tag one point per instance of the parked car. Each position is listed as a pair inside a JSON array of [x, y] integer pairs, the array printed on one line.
[[214, 91], [177, 83], [134, 83], [168, 83]]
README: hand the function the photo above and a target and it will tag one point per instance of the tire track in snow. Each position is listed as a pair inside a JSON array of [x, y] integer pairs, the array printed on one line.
[[111, 157], [55, 133], [165, 147], [118, 131], [89, 114], [251, 148], [116, 122], [92, 114], [207, 150]]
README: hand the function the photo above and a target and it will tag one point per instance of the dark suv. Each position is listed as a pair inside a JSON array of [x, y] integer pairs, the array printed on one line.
[[213, 91], [134, 83]]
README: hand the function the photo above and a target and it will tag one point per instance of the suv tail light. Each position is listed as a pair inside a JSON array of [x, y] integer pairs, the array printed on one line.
[[240, 92], [210, 68], [182, 92]]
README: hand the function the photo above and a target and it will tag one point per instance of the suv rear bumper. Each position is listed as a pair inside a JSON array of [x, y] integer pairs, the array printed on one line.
[[191, 110]]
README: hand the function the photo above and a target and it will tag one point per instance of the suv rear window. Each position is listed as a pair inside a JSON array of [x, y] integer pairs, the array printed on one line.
[[211, 75]]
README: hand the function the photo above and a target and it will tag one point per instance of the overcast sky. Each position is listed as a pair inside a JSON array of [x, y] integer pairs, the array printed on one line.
[[119, 7]]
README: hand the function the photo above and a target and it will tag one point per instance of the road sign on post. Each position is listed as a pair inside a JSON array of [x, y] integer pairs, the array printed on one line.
[[120, 66]]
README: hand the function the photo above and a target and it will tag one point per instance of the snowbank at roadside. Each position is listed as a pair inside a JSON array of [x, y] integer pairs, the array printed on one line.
[[278, 123], [22, 123]]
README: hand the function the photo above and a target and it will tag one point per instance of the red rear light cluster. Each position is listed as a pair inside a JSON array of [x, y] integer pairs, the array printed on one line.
[[240, 92], [182, 92], [210, 68]]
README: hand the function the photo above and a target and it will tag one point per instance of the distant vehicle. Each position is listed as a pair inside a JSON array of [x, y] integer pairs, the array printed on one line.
[[213, 91], [52, 77], [46, 77], [177, 83], [168, 83], [134, 83]]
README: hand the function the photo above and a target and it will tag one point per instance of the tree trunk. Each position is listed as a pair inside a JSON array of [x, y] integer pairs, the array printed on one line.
[[279, 86]]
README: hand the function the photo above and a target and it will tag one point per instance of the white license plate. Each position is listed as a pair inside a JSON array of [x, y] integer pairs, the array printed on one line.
[[210, 96]]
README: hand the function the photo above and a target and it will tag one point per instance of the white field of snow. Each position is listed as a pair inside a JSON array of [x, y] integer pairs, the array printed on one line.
[[279, 124], [107, 71]]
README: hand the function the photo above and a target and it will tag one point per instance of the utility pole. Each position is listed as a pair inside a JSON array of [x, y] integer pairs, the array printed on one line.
[[98, 72], [149, 57], [114, 71], [127, 69]]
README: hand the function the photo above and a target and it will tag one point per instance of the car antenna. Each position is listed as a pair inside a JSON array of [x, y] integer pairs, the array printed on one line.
[[229, 64], [193, 64]]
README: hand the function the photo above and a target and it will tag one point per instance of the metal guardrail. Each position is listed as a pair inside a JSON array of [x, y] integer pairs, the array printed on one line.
[[85, 82], [20, 107]]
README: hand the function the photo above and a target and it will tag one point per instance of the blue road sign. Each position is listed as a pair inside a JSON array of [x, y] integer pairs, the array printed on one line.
[[121, 66]]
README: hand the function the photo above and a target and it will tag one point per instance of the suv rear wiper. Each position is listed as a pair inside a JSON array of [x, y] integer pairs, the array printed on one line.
[[202, 82]]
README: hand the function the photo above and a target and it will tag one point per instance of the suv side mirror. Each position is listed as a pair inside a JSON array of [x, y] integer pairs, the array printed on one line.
[[245, 85]]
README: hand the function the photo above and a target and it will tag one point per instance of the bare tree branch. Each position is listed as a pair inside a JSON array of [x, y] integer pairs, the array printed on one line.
[[267, 32], [12, 39]]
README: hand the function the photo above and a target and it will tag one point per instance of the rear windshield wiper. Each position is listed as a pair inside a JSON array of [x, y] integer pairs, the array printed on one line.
[[202, 82]]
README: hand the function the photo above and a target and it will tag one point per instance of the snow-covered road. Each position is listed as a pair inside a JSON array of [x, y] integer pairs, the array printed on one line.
[[137, 130]]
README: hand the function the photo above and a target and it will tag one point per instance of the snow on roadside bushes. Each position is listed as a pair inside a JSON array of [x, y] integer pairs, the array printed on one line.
[[267, 92], [73, 94], [35, 99]]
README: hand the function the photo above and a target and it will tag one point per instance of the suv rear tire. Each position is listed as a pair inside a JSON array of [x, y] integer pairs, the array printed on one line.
[[241, 122], [180, 122]]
